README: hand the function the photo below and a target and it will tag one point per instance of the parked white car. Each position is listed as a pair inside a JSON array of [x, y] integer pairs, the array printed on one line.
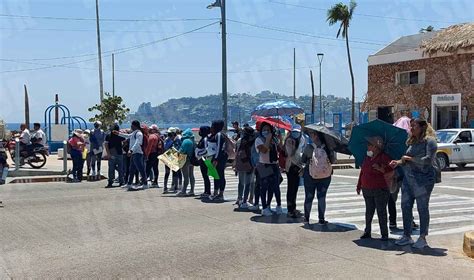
[[455, 146]]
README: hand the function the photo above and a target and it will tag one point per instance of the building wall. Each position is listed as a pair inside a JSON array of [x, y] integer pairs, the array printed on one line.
[[443, 75]]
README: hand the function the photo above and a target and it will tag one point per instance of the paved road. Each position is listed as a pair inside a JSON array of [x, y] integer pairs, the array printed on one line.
[[64, 230]]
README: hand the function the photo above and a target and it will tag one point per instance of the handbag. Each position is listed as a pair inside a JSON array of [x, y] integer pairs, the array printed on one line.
[[264, 170]]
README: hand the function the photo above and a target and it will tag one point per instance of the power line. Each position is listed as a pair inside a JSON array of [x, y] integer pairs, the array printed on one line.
[[279, 29], [160, 72], [105, 19], [116, 51], [120, 50], [88, 30], [361, 14]]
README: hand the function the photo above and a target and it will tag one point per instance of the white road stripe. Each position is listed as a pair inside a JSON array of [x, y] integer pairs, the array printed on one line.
[[456, 188], [451, 230]]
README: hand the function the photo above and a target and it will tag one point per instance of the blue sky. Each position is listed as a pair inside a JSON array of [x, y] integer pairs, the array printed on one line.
[[190, 65]]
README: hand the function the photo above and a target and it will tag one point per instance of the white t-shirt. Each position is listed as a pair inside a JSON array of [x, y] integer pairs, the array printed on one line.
[[39, 134], [25, 137], [263, 157]]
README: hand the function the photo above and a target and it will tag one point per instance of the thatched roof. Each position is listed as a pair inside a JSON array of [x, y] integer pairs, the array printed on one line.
[[451, 39]]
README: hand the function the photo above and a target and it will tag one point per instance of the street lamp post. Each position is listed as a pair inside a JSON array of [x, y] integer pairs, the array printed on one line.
[[320, 59], [221, 4]]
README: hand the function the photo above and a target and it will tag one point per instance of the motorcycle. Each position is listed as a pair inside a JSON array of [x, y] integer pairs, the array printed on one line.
[[34, 155]]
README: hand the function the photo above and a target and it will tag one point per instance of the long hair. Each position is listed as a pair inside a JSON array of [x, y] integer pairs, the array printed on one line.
[[427, 131]]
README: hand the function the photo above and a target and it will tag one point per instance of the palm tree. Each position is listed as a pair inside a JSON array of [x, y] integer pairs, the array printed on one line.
[[341, 13]]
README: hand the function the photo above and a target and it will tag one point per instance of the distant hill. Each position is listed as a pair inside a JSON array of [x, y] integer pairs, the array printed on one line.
[[204, 109]]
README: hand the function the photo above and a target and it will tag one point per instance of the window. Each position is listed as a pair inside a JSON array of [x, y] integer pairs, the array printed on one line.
[[465, 136], [410, 78]]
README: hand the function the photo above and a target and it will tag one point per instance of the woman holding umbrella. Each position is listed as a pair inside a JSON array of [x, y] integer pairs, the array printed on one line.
[[418, 164], [317, 159], [294, 145], [374, 187]]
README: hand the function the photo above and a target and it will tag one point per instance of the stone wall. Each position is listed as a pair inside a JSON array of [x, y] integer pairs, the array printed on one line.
[[443, 75]]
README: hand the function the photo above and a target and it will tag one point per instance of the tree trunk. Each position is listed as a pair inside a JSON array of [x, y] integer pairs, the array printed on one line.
[[352, 76]]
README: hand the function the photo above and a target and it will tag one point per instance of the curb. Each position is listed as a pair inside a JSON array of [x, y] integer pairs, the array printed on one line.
[[49, 179], [468, 246]]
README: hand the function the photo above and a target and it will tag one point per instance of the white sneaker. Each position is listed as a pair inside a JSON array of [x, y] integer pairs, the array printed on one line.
[[267, 212], [254, 207], [420, 243], [279, 211], [405, 240], [244, 205]]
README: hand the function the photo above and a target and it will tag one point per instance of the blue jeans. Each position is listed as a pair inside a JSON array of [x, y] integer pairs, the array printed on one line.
[[270, 185], [137, 163], [409, 196], [244, 185], [116, 163], [312, 186]]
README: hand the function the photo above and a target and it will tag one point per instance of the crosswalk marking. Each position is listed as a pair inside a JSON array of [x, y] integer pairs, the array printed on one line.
[[449, 212]]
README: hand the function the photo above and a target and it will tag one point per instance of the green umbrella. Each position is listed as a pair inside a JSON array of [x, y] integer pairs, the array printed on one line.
[[211, 169], [394, 139]]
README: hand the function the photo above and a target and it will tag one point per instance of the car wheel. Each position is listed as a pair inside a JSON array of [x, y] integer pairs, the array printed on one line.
[[461, 165], [443, 161]]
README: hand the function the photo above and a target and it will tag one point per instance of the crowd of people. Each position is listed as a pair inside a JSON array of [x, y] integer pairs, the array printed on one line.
[[261, 156]]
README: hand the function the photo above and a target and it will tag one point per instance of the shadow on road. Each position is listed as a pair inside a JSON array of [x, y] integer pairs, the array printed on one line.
[[330, 227], [276, 219], [390, 246]]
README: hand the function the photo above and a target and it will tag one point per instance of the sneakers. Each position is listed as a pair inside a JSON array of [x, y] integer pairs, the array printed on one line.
[[244, 205], [267, 212], [255, 207], [323, 222], [154, 185], [405, 240], [366, 235], [306, 222], [165, 190], [109, 186], [190, 194], [181, 194], [144, 186], [204, 195], [420, 243], [279, 211]]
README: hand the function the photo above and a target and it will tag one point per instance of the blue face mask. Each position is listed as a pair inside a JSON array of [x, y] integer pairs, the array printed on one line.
[[295, 134], [265, 133]]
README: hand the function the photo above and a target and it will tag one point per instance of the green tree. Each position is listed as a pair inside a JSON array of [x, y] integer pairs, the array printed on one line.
[[342, 13], [110, 110]]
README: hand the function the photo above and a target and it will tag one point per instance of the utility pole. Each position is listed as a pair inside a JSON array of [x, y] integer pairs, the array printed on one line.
[[113, 75], [221, 4], [294, 74], [99, 52], [27, 108], [312, 96], [320, 59]]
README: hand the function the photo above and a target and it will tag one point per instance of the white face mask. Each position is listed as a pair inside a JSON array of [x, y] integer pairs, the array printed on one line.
[[370, 153]]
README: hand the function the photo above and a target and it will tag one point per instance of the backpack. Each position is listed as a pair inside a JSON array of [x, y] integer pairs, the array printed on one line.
[[319, 166], [243, 159], [229, 146]]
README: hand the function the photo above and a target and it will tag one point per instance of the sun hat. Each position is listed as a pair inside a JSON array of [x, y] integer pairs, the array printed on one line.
[[78, 132]]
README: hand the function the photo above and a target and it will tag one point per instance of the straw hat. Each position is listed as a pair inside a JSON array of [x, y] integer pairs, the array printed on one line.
[[78, 132]]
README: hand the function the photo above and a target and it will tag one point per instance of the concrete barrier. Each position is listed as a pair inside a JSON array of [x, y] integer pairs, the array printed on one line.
[[468, 246]]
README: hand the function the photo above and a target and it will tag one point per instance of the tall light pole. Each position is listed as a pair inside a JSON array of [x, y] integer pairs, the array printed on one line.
[[221, 4], [113, 75], [320, 59], [99, 52], [294, 74], [312, 95]]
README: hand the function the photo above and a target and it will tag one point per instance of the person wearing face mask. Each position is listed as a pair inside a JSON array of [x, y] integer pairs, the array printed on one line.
[[317, 173], [374, 187], [97, 139], [293, 147], [267, 168]]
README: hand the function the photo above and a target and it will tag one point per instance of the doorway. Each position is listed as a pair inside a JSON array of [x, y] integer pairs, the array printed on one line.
[[385, 114], [446, 117]]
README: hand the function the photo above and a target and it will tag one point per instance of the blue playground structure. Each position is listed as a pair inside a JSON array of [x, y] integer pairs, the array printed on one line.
[[72, 123]]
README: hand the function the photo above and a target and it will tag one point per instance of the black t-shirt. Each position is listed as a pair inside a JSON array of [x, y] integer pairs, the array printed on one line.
[[114, 143]]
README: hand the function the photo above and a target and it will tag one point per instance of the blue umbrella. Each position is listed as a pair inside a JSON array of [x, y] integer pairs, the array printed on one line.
[[394, 139], [277, 108]]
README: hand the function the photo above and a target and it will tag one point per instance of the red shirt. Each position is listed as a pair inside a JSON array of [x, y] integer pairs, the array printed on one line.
[[77, 143], [371, 178]]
